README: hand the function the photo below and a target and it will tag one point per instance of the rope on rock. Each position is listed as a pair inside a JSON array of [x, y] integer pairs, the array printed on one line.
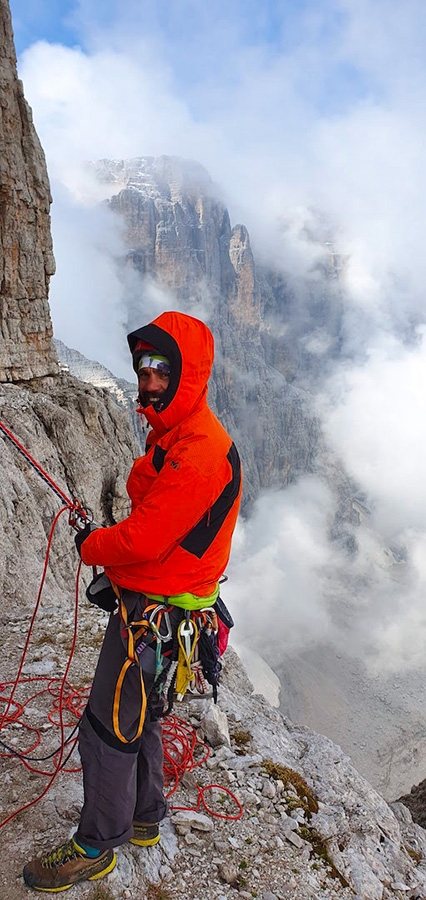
[[59, 759], [78, 516], [184, 752]]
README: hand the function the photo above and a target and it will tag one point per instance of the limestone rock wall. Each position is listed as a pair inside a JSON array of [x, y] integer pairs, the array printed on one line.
[[26, 256], [85, 443], [77, 433], [175, 228]]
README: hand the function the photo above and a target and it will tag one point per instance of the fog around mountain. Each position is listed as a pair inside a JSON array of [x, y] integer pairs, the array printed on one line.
[[335, 576]]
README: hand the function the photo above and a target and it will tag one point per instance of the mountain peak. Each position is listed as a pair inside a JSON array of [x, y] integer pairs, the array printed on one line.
[[167, 177]]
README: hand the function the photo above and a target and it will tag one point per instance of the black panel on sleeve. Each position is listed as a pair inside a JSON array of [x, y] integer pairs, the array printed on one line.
[[203, 534]]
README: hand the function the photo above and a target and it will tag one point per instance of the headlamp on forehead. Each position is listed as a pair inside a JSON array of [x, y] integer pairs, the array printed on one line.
[[154, 361]]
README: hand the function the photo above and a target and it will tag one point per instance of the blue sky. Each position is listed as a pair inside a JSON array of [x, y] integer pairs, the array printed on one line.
[[200, 40], [39, 20], [251, 22]]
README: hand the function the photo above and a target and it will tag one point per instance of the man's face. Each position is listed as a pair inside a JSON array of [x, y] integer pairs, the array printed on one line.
[[152, 384]]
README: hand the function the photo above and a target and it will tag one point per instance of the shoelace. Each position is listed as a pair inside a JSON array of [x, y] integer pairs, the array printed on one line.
[[61, 855]]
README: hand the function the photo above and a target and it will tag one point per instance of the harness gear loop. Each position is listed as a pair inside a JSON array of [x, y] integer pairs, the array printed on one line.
[[131, 659], [153, 616]]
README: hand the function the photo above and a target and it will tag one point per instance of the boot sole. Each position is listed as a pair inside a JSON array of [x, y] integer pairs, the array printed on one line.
[[148, 843]]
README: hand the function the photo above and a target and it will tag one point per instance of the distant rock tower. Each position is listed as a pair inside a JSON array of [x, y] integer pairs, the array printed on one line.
[[26, 255]]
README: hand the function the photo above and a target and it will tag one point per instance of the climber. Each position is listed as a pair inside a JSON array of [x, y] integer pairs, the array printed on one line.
[[167, 555]]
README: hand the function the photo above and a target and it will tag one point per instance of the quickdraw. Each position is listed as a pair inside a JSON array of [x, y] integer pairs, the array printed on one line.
[[198, 654], [187, 636]]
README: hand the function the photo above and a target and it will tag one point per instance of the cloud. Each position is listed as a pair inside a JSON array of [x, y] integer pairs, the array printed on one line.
[[291, 586], [86, 294], [378, 426], [269, 118], [101, 105], [277, 571]]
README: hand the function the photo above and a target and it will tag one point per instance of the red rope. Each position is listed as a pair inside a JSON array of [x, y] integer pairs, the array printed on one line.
[[59, 758], [182, 749], [180, 744], [33, 617], [66, 500], [224, 790], [73, 702], [183, 752]]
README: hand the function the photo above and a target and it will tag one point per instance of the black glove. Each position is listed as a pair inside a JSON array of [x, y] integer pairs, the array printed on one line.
[[101, 593], [82, 535]]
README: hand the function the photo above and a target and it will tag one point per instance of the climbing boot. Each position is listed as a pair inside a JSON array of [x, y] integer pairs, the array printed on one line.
[[145, 835], [65, 866]]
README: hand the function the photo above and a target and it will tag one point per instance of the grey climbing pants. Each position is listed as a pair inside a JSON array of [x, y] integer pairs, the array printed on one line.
[[122, 781]]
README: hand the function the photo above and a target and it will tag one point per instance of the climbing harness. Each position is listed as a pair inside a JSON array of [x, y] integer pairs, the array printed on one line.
[[186, 656]]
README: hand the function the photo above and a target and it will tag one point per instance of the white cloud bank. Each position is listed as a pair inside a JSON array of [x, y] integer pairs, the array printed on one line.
[[378, 426], [278, 569]]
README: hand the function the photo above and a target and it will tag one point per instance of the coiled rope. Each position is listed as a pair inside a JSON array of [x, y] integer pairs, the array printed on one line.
[[183, 752]]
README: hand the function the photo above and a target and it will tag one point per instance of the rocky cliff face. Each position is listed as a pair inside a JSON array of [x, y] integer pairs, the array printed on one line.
[[26, 256], [69, 428], [92, 372], [311, 826]]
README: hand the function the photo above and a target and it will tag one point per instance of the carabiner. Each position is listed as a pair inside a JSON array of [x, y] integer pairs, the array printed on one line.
[[162, 612], [212, 617]]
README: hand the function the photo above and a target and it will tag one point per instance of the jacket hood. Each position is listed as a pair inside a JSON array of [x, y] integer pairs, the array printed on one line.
[[189, 346]]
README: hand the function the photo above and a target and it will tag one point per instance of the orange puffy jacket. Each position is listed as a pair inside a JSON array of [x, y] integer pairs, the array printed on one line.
[[186, 490]]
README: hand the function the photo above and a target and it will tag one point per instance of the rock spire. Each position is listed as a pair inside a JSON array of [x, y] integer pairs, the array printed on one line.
[[26, 256]]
